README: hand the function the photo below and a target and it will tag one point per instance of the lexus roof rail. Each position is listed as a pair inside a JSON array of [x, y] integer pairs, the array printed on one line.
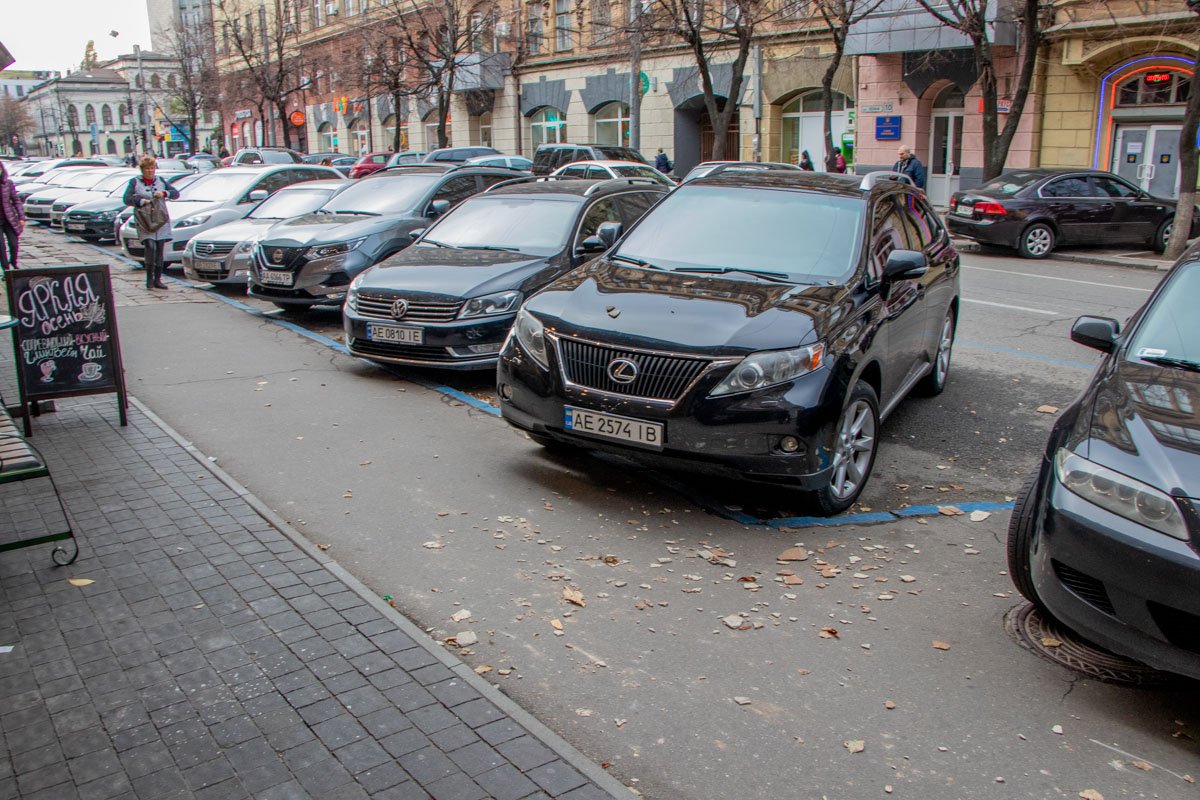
[[871, 179], [529, 179], [609, 184]]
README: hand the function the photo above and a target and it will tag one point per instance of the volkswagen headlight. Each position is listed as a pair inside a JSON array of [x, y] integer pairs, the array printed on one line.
[[531, 333], [246, 246], [1120, 494], [759, 370], [489, 304], [352, 291], [192, 222], [337, 248]]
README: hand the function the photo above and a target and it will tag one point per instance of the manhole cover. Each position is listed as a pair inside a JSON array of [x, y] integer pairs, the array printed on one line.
[[1033, 630]]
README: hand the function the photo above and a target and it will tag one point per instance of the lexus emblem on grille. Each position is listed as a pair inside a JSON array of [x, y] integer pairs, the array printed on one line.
[[208, 248], [277, 256], [622, 370], [399, 308]]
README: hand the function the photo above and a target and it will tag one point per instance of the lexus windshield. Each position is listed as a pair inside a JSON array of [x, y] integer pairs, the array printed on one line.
[[505, 222], [388, 195], [807, 237]]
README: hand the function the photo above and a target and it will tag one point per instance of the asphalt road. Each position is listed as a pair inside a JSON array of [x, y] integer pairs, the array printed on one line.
[[436, 502]]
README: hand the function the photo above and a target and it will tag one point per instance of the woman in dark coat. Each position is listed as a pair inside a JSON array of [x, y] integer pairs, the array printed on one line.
[[806, 161], [12, 221], [141, 193]]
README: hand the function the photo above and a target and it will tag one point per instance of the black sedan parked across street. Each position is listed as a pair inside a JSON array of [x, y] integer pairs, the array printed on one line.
[[1105, 535], [758, 325], [449, 300], [1036, 210]]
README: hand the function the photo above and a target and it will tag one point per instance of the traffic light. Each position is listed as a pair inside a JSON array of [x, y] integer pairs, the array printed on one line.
[[158, 136]]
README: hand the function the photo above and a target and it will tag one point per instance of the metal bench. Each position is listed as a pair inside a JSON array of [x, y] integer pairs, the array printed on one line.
[[21, 461]]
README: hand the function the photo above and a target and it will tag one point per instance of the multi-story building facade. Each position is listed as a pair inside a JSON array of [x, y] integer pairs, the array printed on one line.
[[15, 83]]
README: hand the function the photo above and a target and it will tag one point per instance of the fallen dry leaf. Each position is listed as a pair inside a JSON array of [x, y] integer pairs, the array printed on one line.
[[323, 546], [1047, 409], [348, 494], [980, 516], [889, 704], [434, 545], [482, 668], [584, 712], [855, 745], [1091, 794], [829, 633], [556, 624], [460, 615], [1142, 765], [793, 554], [940, 645], [950, 511], [742, 701], [1050, 641], [465, 638], [573, 596], [80, 581]]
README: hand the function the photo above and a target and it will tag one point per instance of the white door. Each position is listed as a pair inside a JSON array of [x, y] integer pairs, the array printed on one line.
[[1148, 155], [945, 153]]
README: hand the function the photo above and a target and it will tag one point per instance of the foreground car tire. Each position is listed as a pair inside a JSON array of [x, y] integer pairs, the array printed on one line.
[[855, 442], [934, 383], [1020, 540], [1162, 235], [1037, 241]]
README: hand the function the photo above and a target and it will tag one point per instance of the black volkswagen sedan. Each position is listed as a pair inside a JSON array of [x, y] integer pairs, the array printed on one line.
[[1105, 535], [756, 325], [449, 300], [1036, 210]]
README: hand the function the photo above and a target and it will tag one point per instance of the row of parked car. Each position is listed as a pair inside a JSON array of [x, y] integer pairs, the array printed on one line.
[[756, 322]]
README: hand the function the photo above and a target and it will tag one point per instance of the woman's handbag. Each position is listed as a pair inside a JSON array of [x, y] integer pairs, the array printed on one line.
[[150, 217]]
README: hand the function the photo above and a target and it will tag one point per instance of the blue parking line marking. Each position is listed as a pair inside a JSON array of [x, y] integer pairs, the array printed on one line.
[[926, 511], [1011, 351]]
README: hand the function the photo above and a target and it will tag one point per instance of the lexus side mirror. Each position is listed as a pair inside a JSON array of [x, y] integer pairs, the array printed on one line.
[[1100, 333], [258, 195], [904, 265], [414, 235], [592, 244], [608, 233], [438, 207]]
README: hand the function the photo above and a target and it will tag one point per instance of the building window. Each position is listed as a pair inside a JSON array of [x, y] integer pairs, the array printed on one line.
[[476, 32], [106, 116], [123, 114], [359, 138], [89, 114], [431, 133], [389, 134], [612, 124], [318, 13], [110, 147], [547, 126], [562, 24], [602, 29], [171, 81], [1156, 87], [485, 130], [536, 33], [155, 81], [804, 127]]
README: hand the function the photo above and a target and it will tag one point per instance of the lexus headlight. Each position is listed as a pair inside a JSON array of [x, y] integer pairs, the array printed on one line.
[[489, 304], [770, 367], [1119, 494], [337, 248], [531, 333], [191, 222]]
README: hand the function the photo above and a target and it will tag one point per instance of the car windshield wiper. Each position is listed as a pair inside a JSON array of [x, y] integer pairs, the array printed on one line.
[[637, 262], [1169, 361], [486, 247], [435, 243], [778, 277], [356, 213]]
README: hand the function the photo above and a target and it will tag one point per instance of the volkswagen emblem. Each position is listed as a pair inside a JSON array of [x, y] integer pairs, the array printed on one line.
[[622, 370], [399, 308], [208, 248], [277, 256]]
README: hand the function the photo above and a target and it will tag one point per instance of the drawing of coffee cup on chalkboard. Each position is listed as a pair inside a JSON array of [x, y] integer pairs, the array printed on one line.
[[48, 366], [90, 371]]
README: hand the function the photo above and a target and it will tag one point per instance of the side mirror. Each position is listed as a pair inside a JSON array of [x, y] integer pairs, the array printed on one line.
[[1100, 333], [903, 265], [592, 244], [414, 235], [438, 207], [258, 195], [608, 233]]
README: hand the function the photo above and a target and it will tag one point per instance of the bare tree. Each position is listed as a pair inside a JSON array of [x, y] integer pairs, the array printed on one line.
[[971, 18], [839, 17], [195, 87], [260, 39], [15, 122], [711, 34], [1188, 156], [383, 64]]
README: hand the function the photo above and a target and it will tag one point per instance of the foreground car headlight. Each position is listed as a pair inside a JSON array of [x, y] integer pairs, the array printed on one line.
[[247, 246], [105, 216], [326, 250], [498, 303], [352, 291], [192, 222], [531, 333], [1120, 494], [759, 370]]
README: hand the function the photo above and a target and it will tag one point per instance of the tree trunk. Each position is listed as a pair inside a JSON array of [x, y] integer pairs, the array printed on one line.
[[396, 98], [835, 61], [281, 110], [1188, 154], [1031, 41], [193, 122]]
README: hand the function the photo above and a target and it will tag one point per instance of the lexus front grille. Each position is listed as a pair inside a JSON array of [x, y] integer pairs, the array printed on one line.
[[658, 376], [380, 307]]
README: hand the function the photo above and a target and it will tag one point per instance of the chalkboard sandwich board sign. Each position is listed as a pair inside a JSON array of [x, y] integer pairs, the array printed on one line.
[[65, 340]]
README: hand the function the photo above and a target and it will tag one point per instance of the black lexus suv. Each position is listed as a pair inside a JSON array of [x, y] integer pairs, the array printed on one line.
[[757, 325]]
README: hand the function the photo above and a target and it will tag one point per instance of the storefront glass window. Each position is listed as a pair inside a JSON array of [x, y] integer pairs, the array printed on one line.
[[1154, 88], [612, 124], [548, 126], [804, 127]]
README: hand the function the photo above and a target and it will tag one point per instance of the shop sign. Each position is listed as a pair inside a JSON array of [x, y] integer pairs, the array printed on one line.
[[887, 129], [297, 118], [876, 108], [245, 113], [1157, 78], [1003, 105]]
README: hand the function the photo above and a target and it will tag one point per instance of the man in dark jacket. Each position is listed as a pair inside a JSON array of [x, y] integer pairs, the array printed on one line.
[[661, 162], [910, 165]]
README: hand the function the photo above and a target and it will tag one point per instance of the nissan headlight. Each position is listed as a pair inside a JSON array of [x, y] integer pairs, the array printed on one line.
[[192, 222], [490, 304], [337, 248], [1120, 494], [531, 333], [768, 368]]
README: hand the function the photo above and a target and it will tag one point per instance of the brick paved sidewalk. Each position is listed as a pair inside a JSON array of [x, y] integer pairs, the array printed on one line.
[[217, 655]]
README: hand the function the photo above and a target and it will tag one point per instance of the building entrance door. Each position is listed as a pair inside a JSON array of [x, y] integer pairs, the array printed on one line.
[[945, 155], [1148, 157]]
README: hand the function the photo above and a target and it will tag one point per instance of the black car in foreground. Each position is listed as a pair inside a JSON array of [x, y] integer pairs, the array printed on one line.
[[756, 325], [449, 300], [1036, 210], [1105, 535]]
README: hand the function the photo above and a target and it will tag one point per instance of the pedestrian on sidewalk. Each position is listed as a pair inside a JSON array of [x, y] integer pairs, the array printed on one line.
[[12, 221], [806, 163], [839, 161], [662, 163], [910, 165], [148, 195]]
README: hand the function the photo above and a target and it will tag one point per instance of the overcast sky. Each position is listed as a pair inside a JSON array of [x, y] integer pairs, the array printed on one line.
[[52, 34]]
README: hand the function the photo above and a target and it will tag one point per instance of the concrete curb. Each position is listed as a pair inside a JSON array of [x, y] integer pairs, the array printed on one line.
[[560, 746], [968, 246]]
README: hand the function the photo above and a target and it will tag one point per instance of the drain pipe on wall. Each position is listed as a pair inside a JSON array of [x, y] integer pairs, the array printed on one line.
[[756, 58]]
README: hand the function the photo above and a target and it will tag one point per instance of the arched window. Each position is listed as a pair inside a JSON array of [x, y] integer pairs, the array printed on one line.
[[547, 126], [123, 114], [155, 81], [72, 116], [612, 124], [950, 97], [171, 81], [359, 137], [327, 134], [110, 147], [127, 145], [106, 116], [141, 114], [1156, 87], [804, 126], [89, 114]]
